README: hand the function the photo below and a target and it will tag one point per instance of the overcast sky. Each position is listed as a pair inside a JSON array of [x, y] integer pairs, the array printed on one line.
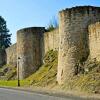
[[27, 13]]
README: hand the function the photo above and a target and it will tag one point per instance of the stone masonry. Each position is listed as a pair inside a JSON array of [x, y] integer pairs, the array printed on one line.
[[29, 50], [74, 39], [94, 41], [51, 40], [11, 53]]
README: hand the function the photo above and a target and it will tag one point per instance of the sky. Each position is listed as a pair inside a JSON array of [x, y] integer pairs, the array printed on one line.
[[29, 13]]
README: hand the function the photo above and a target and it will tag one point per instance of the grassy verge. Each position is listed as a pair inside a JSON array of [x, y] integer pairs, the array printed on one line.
[[14, 83]]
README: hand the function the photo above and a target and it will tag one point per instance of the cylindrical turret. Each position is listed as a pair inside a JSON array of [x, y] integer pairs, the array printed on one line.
[[29, 50], [73, 33]]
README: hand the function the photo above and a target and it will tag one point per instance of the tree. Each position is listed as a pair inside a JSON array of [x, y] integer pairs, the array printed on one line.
[[5, 37], [53, 24]]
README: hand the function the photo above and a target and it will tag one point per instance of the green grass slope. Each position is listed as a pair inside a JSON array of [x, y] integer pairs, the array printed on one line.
[[8, 72], [46, 75], [89, 81]]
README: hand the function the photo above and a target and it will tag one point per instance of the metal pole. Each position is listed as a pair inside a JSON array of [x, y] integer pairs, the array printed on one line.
[[18, 73]]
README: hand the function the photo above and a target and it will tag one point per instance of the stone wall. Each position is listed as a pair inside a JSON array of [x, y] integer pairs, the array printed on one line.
[[76, 39], [2, 57], [73, 32], [51, 40], [29, 50], [94, 41], [11, 54]]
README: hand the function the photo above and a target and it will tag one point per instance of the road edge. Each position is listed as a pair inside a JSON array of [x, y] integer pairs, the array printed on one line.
[[55, 93]]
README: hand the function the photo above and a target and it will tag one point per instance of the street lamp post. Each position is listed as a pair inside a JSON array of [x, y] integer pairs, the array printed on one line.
[[18, 72]]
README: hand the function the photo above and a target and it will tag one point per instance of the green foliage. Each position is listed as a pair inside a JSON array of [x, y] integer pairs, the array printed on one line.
[[53, 24], [5, 40], [50, 27]]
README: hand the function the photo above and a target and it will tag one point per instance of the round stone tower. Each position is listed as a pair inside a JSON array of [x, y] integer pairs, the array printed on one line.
[[73, 33], [29, 50]]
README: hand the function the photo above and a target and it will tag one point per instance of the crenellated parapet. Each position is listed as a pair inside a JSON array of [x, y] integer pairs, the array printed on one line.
[[81, 10]]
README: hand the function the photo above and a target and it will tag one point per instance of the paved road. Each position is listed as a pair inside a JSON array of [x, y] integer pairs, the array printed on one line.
[[10, 94]]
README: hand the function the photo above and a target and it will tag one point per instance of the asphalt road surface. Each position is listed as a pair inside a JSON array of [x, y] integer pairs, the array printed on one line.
[[10, 94]]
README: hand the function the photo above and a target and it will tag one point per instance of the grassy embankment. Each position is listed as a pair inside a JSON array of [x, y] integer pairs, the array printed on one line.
[[46, 76]]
